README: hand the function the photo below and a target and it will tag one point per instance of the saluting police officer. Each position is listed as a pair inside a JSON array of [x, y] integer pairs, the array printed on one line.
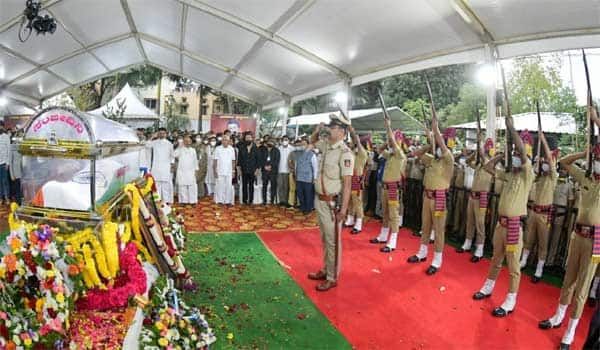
[[333, 186]]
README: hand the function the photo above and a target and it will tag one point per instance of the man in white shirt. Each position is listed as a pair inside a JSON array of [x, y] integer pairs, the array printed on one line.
[[187, 167], [162, 161], [284, 171], [145, 153], [4, 163], [210, 157], [224, 167]]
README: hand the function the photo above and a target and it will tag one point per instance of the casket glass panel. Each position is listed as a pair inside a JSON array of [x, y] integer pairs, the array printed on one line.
[[67, 183]]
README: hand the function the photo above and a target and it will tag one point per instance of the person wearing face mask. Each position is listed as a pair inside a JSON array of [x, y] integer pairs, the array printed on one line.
[[393, 182], [269, 163], [283, 173], [439, 169], [210, 179], [248, 167], [333, 187], [355, 212], [187, 169], [584, 246], [163, 160], [458, 195], [538, 224], [224, 171], [478, 201], [512, 207], [305, 171], [200, 148]]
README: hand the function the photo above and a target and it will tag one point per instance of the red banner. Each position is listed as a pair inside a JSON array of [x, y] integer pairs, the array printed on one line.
[[236, 123]]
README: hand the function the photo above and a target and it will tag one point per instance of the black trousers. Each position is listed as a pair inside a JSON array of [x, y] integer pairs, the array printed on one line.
[[593, 337], [372, 192], [269, 177], [248, 188]]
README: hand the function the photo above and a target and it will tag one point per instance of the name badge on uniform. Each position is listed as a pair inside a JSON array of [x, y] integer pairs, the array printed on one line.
[[268, 159]]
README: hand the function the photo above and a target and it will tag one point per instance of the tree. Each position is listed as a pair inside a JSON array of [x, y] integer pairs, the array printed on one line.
[[471, 99], [535, 79], [117, 113]]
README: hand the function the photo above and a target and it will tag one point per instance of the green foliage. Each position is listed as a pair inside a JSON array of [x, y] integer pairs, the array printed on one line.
[[535, 79], [416, 108], [471, 99], [116, 114]]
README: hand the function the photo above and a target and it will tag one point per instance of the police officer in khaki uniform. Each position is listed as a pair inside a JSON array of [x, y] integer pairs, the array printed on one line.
[[460, 195], [438, 174], [333, 185], [538, 223], [393, 179], [564, 201], [478, 203], [356, 212], [512, 207], [200, 147], [584, 249]]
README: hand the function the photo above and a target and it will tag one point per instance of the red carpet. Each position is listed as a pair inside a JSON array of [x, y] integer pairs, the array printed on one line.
[[382, 302]]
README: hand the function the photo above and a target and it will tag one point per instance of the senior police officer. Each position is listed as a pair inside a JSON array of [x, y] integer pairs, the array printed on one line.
[[333, 188]]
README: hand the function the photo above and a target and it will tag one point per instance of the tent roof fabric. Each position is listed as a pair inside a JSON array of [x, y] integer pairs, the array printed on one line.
[[365, 120], [557, 123], [14, 108], [271, 51], [134, 108]]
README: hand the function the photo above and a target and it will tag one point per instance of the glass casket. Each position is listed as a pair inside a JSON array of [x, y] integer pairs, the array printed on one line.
[[75, 163]]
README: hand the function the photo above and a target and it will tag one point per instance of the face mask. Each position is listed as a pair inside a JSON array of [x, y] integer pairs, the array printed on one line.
[[180, 141], [219, 138], [213, 143], [545, 167], [516, 162], [597, 166], [438, 152], [285, 143], [205, 142], [316, 150], [198, 140], [462, 161]]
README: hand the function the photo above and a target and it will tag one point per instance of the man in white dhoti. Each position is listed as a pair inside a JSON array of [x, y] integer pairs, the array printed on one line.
[[224, 168], [210, 156], [162, 161], [187, 168]]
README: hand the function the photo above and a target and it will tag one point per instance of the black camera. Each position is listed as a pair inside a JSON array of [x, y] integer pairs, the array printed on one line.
[[32, 20]]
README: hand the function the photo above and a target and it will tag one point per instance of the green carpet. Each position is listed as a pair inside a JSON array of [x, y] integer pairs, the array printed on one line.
[[246, 294]]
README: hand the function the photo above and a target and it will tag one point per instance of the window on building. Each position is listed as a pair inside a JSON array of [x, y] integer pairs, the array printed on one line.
[[204, 109], [150, 103], [183, 109]]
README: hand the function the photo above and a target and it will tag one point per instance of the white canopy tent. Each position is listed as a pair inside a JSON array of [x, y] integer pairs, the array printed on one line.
[[276, 52], [11, 107], [136, 113]]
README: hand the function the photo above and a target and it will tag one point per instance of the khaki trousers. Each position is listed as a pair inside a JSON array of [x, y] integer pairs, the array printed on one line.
[[458, 212], [512, 258], [331, 239], [537, 231], [356, 206], [579, 274], [429, 221], [391, 213], [292, 195], [475, 221]]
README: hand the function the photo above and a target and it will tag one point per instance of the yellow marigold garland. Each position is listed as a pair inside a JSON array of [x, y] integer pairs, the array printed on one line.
[[90, 267], [101, 260], [109, 243]]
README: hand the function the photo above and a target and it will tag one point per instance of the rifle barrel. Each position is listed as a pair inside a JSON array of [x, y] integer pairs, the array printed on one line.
[[508, 115]]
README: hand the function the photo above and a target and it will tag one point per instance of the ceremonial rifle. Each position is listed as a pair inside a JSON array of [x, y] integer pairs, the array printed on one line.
[[591, 127], [509, 144], [382, 103], [478, 135], [433, 114], [539, 145]]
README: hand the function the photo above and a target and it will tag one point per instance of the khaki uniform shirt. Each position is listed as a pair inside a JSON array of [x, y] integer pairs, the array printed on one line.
[[395, 165], [202, 159], [589, 203], [515, 191], [336, 162], [544, 188], [564, 192], [482, 180], [438, 172], [360, 161]]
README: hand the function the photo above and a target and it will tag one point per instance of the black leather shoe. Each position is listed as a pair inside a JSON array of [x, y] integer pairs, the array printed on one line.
[[592, 302], [475, 259], [546, 324], [386, 249], [431, 241], [415, 259], [500, 312], [344, 225], [431, 270], [355, 231], [460, 250], [480, 296], [416, 234], [535, 279], [564, 346], [376, 241]]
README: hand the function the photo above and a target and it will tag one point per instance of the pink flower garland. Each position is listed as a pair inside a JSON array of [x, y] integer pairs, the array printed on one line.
[[118, 296]]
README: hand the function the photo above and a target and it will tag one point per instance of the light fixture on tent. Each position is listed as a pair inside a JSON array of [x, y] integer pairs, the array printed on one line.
[[486, 74], [3, 101], [340, 97], [281, 110], [32, 20], [255, 115]]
